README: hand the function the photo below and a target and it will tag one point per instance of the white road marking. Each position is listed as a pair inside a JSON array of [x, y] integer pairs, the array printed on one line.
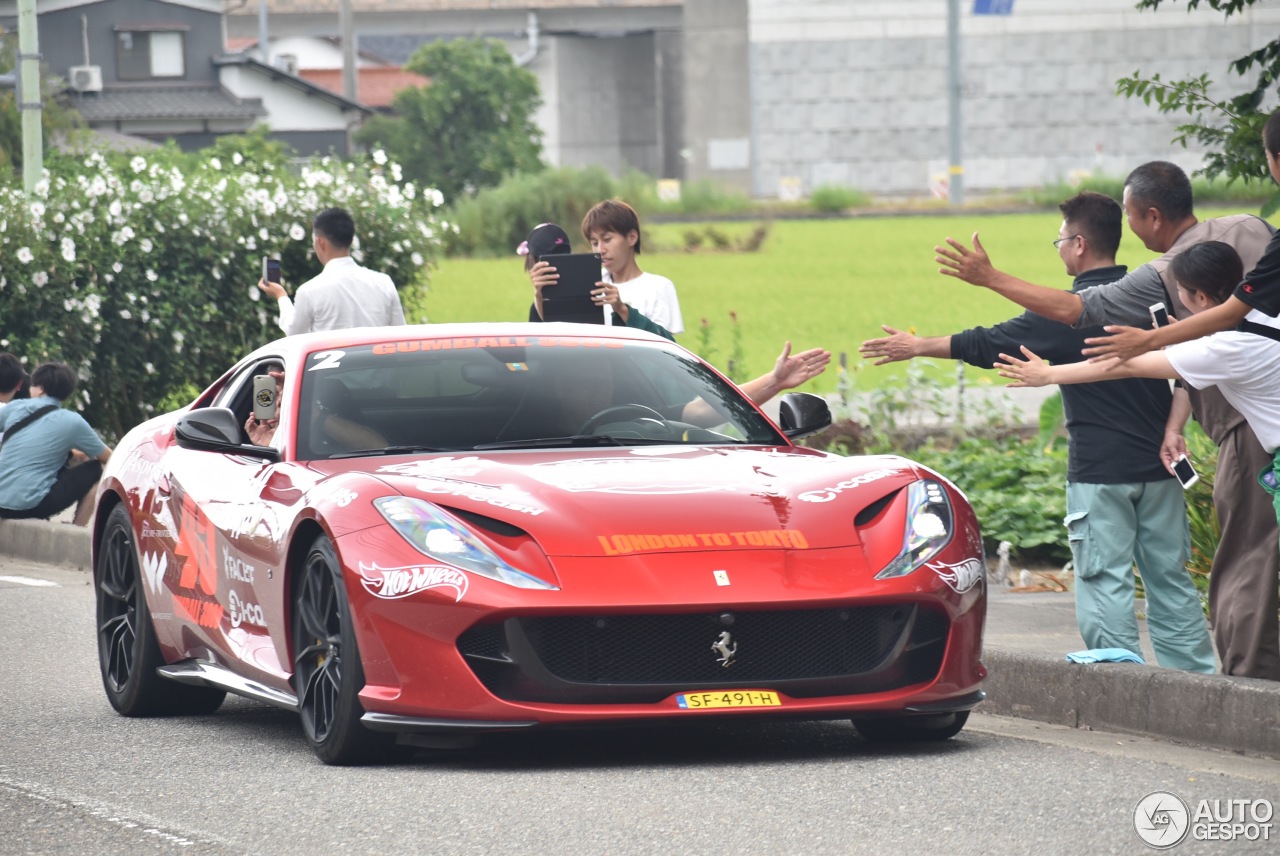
[[26, 581]]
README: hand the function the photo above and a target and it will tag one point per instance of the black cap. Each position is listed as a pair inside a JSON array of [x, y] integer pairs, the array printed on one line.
[[546, 239]]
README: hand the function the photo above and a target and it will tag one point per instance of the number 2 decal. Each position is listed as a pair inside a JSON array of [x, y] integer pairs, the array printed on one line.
[[327, 360]]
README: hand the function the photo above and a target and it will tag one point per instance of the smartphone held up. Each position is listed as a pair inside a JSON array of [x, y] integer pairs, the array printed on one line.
[[265, 403], [271, 269]]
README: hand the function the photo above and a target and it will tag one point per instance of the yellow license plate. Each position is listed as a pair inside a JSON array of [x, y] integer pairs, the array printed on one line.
[[727, 698]]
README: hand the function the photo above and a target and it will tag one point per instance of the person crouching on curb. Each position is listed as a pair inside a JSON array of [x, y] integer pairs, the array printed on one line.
[[38, 478]]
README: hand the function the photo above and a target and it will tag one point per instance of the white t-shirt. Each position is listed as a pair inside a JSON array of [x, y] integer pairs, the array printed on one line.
[[343, 295], [655, 297], [1246, 369]]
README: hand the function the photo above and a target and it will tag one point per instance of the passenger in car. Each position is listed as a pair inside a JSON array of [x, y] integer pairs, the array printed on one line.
[[333, 421]]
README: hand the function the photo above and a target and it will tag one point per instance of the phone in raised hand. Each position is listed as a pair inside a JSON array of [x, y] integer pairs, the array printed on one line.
[[271, 269]]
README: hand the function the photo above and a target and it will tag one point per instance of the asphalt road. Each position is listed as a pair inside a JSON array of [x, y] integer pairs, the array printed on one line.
[[77, 778]]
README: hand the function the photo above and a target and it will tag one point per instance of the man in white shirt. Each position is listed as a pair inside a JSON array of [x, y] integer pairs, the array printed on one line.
[[344, 294]]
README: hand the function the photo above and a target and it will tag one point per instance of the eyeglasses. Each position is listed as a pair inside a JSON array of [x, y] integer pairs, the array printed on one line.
[[1059, 241]]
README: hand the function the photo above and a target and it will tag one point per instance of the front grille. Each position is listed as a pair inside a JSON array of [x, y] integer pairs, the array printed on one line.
[[628, 658]]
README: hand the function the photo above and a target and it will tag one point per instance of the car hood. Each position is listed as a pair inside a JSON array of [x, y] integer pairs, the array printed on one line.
[[620, 501]]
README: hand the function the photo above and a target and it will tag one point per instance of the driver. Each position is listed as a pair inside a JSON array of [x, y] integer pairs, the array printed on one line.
[[584, 388]]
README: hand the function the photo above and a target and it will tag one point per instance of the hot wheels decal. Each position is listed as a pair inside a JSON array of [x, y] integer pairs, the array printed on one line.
[[826, 494], [395, 583], [959, 577], [621, 544]]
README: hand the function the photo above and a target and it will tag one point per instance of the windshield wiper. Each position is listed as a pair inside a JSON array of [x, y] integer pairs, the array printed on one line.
[[385, 450], [555, 442]]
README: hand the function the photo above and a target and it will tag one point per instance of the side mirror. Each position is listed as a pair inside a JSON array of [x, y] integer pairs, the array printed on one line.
[[216, 429], [803, 413]]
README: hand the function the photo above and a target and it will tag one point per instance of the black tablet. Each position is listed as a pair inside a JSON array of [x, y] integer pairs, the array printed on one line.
[[570, 298]]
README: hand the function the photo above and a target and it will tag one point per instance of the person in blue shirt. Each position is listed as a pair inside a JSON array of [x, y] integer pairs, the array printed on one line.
[[38, 478]]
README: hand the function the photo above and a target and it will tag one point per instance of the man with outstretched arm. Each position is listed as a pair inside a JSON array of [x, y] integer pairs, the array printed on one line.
[[1123, 505], [1243, 597]]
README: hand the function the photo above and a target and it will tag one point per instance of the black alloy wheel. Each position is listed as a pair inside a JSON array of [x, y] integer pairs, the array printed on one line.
[[327, 673], [128, 654]]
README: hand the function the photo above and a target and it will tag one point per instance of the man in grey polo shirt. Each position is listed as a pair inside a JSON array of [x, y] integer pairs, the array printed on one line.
[[1158, 205], [344, 294]]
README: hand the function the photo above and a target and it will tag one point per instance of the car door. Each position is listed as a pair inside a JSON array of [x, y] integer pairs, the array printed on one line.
[[228, 553]]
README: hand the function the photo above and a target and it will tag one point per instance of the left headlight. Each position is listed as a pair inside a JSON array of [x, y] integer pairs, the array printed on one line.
[[441, 537], [928, 529]]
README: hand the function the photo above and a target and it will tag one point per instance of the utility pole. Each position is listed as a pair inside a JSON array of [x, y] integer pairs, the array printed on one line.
[[347, 24], [955, 169], [27, 95]]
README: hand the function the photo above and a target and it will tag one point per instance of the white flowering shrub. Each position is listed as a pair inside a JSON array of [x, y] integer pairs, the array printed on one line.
[[141, 271]]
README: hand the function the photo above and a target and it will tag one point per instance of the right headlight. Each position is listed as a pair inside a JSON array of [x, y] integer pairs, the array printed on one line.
[[928, 528], [444, 539]]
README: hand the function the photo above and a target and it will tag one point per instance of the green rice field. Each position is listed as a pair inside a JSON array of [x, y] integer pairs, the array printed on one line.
[[828, 283]]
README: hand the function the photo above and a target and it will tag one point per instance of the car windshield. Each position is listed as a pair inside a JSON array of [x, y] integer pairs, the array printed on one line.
[[522, 392]]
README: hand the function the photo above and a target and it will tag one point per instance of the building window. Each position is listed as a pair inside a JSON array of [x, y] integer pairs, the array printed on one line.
[[144, 55]]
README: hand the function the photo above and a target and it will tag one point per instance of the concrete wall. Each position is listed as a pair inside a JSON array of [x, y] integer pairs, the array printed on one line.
[[607, 98], [716, 92], [854, 94]]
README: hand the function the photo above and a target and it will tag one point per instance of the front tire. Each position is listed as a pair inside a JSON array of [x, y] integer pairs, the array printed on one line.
[[128, 654], [912, 729], [327, 672]]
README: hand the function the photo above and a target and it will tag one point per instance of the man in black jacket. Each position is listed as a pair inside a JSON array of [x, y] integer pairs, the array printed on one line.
[[1122, 504]]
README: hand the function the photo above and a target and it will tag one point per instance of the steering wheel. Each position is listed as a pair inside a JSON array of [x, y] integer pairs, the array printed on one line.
[[613, 414]]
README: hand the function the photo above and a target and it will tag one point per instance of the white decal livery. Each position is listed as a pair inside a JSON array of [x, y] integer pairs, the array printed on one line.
[[438, 467], [826, 494], [235, 568], [512, 499], [655, 476], [242, 612], [961, 577], [154, 566], [395, 583]]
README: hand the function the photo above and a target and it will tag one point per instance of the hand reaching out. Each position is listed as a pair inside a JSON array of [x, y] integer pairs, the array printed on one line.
[[792, 370], [1032, 371], [1123, 343], [971, 265], [897, 346]]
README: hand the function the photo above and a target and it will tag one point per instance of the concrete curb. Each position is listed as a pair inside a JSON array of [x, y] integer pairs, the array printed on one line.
[[1239, 714], [48, 543]]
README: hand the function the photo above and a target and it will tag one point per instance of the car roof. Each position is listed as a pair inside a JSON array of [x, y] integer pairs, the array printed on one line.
[[293, 347]]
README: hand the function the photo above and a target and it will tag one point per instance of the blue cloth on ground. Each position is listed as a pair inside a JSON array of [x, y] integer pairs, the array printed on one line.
[[1106, 655]]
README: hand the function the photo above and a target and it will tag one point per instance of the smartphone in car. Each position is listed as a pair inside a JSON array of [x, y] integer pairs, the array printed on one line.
[[265, 405], [1185, 473], [1159, 315], [271, 269]]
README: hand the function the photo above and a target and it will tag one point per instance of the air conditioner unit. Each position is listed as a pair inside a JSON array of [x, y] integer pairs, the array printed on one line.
[[86, 78]]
